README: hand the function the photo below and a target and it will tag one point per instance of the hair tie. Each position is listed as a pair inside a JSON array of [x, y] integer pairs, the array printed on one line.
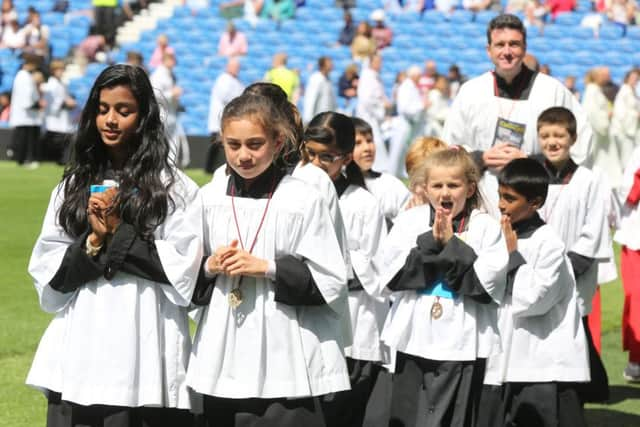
[[454, 147]]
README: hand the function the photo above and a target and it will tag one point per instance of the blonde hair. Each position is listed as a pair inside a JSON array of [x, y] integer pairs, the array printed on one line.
[[421, 147], [456, 157]]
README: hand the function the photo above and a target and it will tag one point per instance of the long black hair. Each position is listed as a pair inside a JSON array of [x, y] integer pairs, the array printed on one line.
[[146, 177], [331, 128]]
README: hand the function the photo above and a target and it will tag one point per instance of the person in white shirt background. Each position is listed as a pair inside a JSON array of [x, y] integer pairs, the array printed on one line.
[[57, 116], [319, 95]]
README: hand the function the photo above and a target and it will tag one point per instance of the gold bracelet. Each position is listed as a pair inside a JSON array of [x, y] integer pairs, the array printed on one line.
[[91, 250]]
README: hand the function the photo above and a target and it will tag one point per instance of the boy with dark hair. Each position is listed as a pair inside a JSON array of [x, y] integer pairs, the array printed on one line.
[[391, 193], [576, 209], [544, 349]]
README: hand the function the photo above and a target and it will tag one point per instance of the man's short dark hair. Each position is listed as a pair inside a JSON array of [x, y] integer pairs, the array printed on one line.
[[559, 116], [362, 127], [527, 177], [322, 62], [506, 20]]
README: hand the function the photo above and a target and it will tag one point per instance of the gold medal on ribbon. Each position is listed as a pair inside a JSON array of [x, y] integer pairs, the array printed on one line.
[[436, 310], [235, 298]]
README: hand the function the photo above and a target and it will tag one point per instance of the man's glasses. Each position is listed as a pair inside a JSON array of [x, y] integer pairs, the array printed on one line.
[[324, 157]]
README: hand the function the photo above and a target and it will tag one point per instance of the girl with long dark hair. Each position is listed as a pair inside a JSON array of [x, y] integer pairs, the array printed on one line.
[[116, 263]]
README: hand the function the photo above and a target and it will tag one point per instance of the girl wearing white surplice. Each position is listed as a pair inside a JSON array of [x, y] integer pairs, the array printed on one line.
[[329, 141], [269, 341], [445, 263], [117, 266]]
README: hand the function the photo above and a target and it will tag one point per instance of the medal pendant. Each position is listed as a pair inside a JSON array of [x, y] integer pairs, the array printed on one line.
[[235, 298], [436, 310]]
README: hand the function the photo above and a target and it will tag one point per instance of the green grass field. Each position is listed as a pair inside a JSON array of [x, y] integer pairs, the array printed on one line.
[[24, 195]]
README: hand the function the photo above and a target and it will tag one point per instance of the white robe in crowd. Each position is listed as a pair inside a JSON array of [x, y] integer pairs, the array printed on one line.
[[627, 234], [391, 193], [123, 341], [578, 213], [625, 124], [596, 106], [57, 118], [265, 349], [473, 116], [437, 113], [370, 108], [467, 329], [319, 96], [24, 96], [225, 88], [368, 309], [163, 82], [541, 330], [408, 125]]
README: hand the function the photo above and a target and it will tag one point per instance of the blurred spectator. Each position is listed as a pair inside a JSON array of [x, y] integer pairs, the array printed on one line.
[[278, 10], [411, 106], [36, 36], [534, 14], [596, 106], [162, 47], [57, 119], [625, 124], [196, 5], [12, 36], [348, 31], [455, 80], [26, 114], [61, 6], [104, 15], [348, 87], [556, 7], [249, 9], [90, 46], [545, 69], [439, 100], [622, 12], [480, 5], [5, 107], [516, 6], [168, 93], [400, 77], [319, 95], [8, 12], [570, 83], [134, 58], [226, 87], [287, 79], [371, 107], [232, 42], [363, 45], [131, 7], [428, 78], [382, 35], [346, 4]]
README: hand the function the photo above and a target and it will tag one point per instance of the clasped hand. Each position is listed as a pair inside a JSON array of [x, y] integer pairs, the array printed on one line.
[[234, 261], [442, 227], [500, 154], [103, 215]]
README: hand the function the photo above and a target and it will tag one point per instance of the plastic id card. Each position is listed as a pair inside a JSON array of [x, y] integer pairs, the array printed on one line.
[[439, 289]]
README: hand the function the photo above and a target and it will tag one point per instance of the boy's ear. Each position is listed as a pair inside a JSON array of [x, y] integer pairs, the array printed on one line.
[[348, 158], [537, 202]]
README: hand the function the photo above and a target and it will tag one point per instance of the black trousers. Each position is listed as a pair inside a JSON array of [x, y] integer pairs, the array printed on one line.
[[596, 390], [433, 393], [25, 143], [347, 408], [55, 147], [542, 405], [106, 23], [223, 412], [491, 410], [61, 413]]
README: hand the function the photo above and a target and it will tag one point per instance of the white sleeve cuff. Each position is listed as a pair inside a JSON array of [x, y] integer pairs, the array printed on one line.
[[271, 270]]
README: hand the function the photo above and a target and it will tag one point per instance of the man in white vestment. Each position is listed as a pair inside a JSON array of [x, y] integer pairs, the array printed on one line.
[[319, 95], [371, 107], [494, 115]]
